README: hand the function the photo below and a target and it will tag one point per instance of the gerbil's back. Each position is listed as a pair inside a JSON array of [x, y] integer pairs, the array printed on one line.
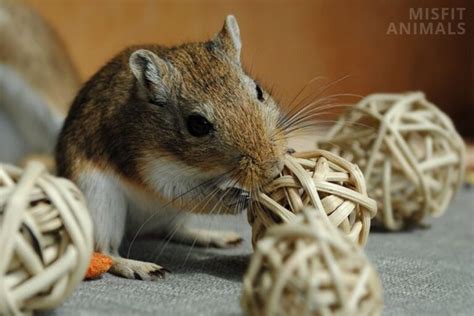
[[93, 121]]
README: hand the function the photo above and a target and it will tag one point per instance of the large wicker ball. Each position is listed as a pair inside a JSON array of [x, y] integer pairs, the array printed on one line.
[[320, 179], [308, 267], [45, 239], [410, 153]]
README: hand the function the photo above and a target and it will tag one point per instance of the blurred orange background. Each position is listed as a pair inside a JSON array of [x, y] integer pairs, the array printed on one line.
[[287, 43]]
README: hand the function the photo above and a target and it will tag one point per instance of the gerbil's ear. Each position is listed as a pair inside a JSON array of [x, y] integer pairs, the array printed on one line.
[[229, 37], [151, 71]]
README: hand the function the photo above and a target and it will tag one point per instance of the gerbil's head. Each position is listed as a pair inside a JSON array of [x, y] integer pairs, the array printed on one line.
[[206, 115]]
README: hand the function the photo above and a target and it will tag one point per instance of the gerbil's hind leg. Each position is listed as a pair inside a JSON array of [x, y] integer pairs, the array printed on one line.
[[206, 238], [108, 208]]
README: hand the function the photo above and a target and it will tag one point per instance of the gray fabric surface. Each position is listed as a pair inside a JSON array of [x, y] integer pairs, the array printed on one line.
[[424, 272]]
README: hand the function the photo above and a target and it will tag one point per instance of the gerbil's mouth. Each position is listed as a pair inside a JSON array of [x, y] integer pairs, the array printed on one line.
[[234, 195], [228, 184]]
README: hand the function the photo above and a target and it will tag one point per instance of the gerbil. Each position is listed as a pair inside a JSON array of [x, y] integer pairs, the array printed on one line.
[[160, 132]]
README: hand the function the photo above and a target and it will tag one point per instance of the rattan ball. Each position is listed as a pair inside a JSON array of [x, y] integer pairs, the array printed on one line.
[[409, 151], [308, 267], [319, 179], [45, 239]]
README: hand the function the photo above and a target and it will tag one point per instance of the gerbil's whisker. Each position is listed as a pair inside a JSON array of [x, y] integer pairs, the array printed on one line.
[[312, 119], [296, 106], [293, 104], [328, 121], [207, 182], [215, 207], [317, 105], [321, 90], [314, 107], [212, 210], [206, 199], [315, 127]]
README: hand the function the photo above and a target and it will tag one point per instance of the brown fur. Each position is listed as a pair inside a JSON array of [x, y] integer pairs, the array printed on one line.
[[113, 126]]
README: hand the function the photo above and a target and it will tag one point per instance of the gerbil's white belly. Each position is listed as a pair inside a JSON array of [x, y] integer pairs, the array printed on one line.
[[172, 180], [118, 206]]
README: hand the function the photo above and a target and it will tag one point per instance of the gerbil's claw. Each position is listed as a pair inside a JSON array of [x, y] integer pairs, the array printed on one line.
[[138, 270], [137, 276], [165, 270], [159, 273]]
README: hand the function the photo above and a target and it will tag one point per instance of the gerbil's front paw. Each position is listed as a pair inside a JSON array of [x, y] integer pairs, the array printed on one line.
[[138, 270]]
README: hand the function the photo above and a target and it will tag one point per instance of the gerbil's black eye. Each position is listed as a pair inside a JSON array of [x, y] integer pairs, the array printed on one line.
[[259, 92], [198, 126]]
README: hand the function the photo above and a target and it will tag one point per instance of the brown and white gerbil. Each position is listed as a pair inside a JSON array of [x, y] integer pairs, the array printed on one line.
[[161, 132]]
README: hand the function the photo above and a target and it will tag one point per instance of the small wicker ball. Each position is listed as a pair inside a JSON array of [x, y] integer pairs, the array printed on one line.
[[319, 179], [410, 153], [308, 267], [45, 239]]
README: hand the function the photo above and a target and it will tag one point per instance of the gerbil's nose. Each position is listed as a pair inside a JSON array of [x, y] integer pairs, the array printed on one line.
[[257, 173]]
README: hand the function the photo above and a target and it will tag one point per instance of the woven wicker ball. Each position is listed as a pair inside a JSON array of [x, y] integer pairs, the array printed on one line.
[[317, 179], [308, 267], [45, 239], [410, 153]]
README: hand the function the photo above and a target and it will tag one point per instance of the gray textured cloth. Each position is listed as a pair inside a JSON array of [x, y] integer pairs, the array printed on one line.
[[424, 272]]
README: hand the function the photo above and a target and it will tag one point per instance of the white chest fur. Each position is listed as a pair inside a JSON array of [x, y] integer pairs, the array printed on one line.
[[118, 206]]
